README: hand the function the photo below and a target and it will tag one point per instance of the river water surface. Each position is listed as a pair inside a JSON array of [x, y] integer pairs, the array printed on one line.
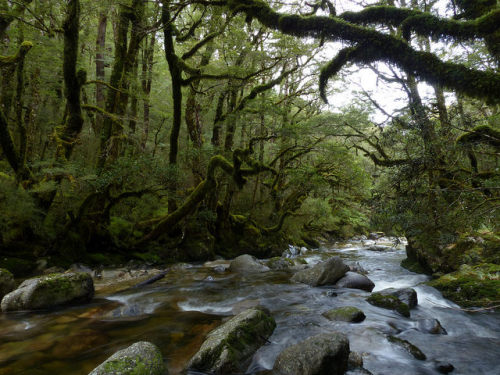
[[178, 311]]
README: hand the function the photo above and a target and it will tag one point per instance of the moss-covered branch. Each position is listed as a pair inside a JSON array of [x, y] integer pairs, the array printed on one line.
[[481, 134], [18, 56], [377, 46]]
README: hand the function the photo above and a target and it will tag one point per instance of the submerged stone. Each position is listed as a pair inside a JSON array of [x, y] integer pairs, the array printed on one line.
[[229, 348], [323, 354], [141, 358], [409, 347], [345, 314], [50, 291], [325, 273]]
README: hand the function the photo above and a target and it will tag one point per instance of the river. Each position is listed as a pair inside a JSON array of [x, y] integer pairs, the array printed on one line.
[[177, 312]]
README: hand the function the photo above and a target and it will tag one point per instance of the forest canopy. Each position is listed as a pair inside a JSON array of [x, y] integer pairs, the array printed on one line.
[[184, 129]]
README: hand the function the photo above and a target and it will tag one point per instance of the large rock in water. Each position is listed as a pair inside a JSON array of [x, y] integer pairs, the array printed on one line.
[[7, 283], [50, 291], [355, 280], [400, 300], [229, 348], [247, 264], [324, 354], [141, 358], [325, 273]]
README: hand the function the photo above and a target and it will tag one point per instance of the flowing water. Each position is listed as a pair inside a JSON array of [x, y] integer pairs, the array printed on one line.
[[178, 311]]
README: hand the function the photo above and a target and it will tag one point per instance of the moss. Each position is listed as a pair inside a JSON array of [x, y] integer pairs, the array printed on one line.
[[471, 285], [389, 302]]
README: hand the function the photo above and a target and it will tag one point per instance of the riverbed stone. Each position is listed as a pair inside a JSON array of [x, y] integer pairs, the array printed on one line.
[[409, 347], [355, 361], [444, 367], [280, 264], [323, 354], [228, 349], [379, 248], [432, 326], [247, 264], [345, 314], [50, 291], [355, 280], [324, 273], [7, 283], [141, 358]]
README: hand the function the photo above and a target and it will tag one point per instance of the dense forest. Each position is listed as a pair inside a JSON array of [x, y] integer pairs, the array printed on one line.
[[165, 131], [249, 186]]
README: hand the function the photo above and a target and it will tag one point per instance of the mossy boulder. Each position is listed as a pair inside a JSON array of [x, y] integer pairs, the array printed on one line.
[[355, 280], [323, 354], [228, 349], [409, 347], [50, 291], [7, 283], [471, 285], [345, 314], [400, 300], [324, 273], [141, 358]]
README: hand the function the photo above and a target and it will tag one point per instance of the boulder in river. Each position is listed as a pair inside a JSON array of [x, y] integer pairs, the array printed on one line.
[[409, 347], [355, 280], [379, 248], [325, 273], [7, 283], [345, 314], [141, 358], [50, 291], [323, 354], [247, 264], [229, 348], [400, 300]]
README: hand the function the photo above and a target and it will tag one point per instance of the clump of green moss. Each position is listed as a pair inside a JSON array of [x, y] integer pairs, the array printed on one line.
[[471, 285]]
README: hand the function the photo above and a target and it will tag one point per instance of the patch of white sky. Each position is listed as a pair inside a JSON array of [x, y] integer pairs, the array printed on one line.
[[353, 83]]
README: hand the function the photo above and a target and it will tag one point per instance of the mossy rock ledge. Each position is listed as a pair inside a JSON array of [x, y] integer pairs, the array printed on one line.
[[400, 300], [471, 285], [50, 291], [141, 358], [229, 348], [7, 283], [345, 314], [323, 354]]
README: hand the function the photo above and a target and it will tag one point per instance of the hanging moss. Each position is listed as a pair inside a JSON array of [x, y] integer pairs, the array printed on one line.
[[378, 46], [426, 24]]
